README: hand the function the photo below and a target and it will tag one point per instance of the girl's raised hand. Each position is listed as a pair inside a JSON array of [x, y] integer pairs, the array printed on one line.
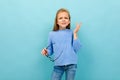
[[77, 27]]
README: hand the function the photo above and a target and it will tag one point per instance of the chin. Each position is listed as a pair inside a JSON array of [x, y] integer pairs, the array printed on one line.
[[64, 26]]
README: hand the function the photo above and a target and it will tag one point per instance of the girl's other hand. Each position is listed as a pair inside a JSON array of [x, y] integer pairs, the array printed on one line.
[[44, 52], [77, 28]]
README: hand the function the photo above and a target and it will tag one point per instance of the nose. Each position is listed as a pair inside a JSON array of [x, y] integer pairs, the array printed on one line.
[[63, 19]]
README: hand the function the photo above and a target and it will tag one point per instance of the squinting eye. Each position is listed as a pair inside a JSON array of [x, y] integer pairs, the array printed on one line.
[[60, 18], [66, 17]]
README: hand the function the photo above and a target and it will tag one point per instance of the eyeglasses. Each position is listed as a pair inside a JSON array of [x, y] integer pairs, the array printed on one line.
[[50, 58]]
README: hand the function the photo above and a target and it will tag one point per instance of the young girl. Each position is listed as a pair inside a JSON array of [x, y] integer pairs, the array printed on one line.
[[64, 44]]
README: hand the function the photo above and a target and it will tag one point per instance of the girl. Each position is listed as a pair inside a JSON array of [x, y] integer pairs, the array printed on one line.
[[64, 44]]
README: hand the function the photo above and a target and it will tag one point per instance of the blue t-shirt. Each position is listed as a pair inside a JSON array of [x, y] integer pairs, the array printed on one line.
[[63, 46]]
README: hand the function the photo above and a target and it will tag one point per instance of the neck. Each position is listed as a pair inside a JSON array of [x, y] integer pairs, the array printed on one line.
[[61, 28]]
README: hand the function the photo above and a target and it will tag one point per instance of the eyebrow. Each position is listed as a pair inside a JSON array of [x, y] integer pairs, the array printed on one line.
[[63, 17]]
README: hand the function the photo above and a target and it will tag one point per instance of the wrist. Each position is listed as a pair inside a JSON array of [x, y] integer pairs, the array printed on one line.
[[75, 36]]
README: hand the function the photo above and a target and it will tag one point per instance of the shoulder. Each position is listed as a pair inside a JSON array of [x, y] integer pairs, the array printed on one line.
[[69, 31], [52, 33]]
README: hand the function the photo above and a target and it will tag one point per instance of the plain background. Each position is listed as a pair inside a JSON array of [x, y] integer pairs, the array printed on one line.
[[24, 28]]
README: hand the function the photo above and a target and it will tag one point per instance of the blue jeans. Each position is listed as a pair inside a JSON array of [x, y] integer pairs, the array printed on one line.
[[69, 70]]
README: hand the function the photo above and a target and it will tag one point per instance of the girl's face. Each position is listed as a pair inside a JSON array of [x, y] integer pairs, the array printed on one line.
[[63, 20]]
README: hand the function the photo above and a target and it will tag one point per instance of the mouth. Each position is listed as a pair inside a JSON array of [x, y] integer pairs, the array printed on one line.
[[63, 23]]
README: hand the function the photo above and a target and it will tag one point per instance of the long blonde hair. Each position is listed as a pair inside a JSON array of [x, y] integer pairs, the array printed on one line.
[[56, 26]]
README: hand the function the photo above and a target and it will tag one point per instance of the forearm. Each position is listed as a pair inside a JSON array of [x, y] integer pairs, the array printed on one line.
[[75, 36], [76, 45]]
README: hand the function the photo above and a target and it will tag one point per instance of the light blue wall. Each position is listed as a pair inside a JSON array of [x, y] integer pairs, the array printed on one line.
[[24, 28]]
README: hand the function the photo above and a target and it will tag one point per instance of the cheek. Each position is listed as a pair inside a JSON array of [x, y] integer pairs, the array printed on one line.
[[68, 22], [58, 22]]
